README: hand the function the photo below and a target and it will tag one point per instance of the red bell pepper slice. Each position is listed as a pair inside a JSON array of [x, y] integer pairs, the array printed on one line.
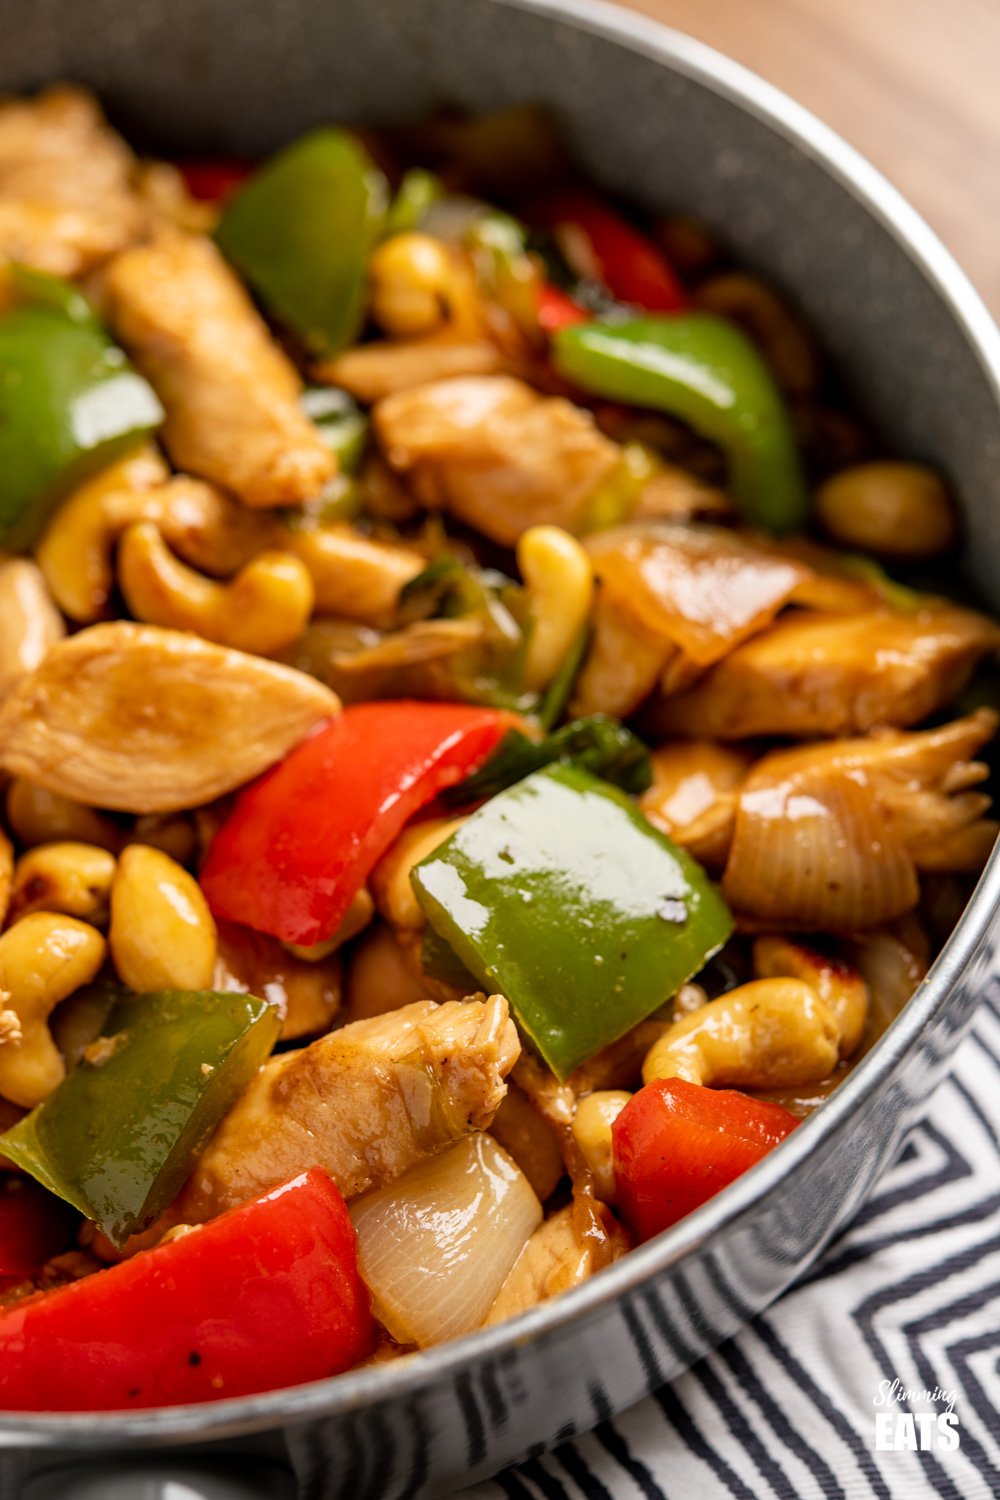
[[677, 1144], [629, 264], [556, 309], [34, 1226], [214, 180], [268, 1295], [302, 840]]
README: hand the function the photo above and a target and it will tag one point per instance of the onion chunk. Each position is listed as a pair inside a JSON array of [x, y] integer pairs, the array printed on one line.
[[435, 1246]]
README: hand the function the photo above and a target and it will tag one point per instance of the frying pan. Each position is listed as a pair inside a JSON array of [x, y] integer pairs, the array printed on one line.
[[664, 120]]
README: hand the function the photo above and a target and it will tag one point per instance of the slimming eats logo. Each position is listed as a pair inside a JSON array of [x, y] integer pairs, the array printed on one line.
[[909, 1431]]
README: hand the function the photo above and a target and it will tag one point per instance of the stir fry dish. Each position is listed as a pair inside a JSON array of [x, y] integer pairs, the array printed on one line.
[[488, 739]]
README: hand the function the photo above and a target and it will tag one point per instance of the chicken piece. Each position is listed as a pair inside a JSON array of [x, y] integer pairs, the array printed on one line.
[[495, 453], [818, 674], [373, 371], [925, 784], [138, 719], [623, 665], [830, 837], [66, 184], [164, 190], [556, 1258], [694, 796], [365, 1103], [230, 394]]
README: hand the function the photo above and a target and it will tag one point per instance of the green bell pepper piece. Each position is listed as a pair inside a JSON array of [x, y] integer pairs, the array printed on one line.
[[492, 670], [438, 961], [342, 424], [34, 288], [597, 743], [560, 895], [414, 196], [499, 248], [301, 231], [70, 403], [557, 695], [448, 589], [706, 372], [899, 596], [341, 499], [119, 1137]]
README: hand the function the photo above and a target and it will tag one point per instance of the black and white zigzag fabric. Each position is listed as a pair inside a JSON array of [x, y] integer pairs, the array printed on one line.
[[875, 1378]]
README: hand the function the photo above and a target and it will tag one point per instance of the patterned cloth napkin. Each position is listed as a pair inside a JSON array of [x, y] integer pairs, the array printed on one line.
[[891, 1341]]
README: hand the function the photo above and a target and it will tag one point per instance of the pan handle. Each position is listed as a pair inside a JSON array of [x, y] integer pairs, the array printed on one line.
[[164, 1477]]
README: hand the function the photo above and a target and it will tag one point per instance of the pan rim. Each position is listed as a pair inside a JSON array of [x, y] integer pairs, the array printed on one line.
[[342, 1394]]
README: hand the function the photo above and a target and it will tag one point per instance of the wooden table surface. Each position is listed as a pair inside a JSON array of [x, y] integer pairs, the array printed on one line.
[[914, 84]]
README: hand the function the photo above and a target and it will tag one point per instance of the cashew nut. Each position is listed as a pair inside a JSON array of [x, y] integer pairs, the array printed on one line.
[[162, 933], [530, 1140], [210, 530], [379, 978], [171, 833], [592, 1122], [355, 577], [43, 959], [419, 285], [560, 582], [838, 985], [262, 610], [895, 509], [29, 621], [76, 552], [38, 816], [355, 920], [307, 994], [204, 526], [390, 879], [771, 1033], [74, 879]]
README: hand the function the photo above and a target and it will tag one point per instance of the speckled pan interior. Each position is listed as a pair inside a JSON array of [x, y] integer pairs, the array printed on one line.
[[672, 125]]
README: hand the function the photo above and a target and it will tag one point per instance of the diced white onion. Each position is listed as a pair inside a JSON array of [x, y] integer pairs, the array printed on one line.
[[436, 1245], [813, 848]]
